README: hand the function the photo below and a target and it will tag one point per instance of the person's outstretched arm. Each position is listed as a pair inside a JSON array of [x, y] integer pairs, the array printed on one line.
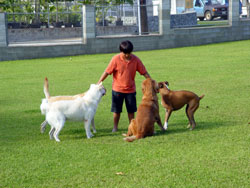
[[103, 77], [146, 75]]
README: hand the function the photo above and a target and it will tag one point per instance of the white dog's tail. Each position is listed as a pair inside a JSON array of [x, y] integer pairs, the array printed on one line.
[[44, 105], [46, 88]]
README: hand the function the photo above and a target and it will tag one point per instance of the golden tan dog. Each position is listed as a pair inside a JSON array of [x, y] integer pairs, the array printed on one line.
[[147, 114], [175, 100]]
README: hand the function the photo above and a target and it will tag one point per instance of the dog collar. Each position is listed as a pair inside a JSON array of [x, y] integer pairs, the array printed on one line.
[[166, 86]]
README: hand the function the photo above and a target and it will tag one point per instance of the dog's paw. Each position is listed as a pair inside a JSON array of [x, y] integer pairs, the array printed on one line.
[[188, 126], [165, 126], [57, 140], [42, 130], [163, 129], [130, 138], [90, 136], [192, 128]]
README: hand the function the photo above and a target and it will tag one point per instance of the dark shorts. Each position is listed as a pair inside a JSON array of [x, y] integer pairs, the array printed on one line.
[[118, 99]]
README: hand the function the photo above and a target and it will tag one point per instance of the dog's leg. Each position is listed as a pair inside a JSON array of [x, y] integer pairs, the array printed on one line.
[[191, 116], [158, 121], [58, 129], [51, 132], [93, 125], [191, 110], [131, 128], [168, 113], [130, 138], [134, 135], [59, 125], [43, 126], [129, 133], [87, 128], [189, 120]]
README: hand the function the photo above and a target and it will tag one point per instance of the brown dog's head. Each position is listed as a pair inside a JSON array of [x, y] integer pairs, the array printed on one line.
[[150, 87], [156, 86], [163, 85]]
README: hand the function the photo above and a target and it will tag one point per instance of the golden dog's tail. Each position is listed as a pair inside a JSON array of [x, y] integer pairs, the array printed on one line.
[[46, 88], [130, 138], [201, 96]]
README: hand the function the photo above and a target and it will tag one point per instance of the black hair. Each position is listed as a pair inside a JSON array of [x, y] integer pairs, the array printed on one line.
[[126, 47]]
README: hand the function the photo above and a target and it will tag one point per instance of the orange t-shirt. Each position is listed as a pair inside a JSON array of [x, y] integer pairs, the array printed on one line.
[[124, 73]]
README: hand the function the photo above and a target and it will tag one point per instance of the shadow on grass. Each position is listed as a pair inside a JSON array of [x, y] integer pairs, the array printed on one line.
[[81, 134], [175, 128], [178, 128], [33, 111], [77, 131]]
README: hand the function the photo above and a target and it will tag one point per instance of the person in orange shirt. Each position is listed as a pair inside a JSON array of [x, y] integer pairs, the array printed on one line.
[[124, 66]]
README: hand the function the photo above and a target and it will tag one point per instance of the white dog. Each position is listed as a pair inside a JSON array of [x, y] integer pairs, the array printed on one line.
[[81, 107]]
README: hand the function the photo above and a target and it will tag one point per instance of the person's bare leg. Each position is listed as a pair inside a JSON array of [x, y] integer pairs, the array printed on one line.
[[116, 117], [131, 116]]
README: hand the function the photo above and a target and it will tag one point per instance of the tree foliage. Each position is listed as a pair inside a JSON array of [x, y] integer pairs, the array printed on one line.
[[37, 6], [10, 5]]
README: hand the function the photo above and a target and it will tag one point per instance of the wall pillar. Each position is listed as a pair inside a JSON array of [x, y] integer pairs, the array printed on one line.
[[233, 12], [88, 13], [164, 16], [3, 30], [173, 7]]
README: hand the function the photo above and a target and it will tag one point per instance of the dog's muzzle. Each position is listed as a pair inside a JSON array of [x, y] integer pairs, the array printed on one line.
[[104, 91]]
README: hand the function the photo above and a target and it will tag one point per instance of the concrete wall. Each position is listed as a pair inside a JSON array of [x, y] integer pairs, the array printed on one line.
[[116, 30], [168, 38], [40, 34], [23, 35]]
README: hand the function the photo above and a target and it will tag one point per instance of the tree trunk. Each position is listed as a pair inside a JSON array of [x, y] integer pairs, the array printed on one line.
[[248, 8], [13, 16], [144, 17], [37, 11], [67, 6], [56, 11]]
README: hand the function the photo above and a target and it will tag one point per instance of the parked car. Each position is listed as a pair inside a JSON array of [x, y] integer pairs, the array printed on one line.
[[210, 9]]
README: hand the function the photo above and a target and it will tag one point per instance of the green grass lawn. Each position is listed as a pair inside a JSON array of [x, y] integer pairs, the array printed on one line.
[[212, 23], [215, 154]]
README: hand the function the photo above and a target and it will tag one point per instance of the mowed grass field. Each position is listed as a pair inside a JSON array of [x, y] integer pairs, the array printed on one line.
[[215, 154]]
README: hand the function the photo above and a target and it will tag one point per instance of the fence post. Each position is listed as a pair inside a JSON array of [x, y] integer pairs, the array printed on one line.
[[139, 15], [233, 12], [3, 30], [88, 14], [164, 16]]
